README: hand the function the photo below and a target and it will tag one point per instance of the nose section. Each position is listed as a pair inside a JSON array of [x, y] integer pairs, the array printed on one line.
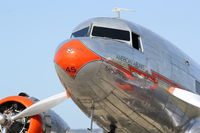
[[73, 55]]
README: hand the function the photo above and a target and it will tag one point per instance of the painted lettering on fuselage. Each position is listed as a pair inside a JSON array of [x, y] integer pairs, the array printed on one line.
[[133, 63], [71, 69]]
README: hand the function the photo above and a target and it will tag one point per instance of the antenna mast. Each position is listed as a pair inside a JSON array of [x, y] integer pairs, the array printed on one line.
[[118, 10]]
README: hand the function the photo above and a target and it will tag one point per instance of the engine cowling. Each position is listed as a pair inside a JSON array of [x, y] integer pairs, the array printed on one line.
[[193, 126], [46, 122]]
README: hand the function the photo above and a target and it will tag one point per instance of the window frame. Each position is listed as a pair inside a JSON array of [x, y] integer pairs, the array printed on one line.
[[141, 49], [130, 43], [86, 35]]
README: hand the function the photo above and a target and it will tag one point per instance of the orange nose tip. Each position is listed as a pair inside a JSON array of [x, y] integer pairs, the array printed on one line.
[[73, 55]]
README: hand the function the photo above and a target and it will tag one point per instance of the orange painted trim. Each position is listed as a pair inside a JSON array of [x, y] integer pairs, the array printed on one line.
[[67, 93], [118, 66], [127, 87], [35, 121], [165, 79], [171, 90], [73, 55], [154, 77], [132, 69]]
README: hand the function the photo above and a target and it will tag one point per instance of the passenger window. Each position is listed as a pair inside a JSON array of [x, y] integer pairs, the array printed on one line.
[[81, 33], [136, 42]]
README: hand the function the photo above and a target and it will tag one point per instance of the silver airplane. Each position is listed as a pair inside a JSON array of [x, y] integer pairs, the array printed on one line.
[[125, 77]]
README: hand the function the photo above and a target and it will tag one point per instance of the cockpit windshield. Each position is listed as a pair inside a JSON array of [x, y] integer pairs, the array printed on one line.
[[81, 33], [117, 34]]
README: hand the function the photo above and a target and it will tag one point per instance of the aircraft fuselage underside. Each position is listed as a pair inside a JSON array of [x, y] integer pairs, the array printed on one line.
[[132, 103]]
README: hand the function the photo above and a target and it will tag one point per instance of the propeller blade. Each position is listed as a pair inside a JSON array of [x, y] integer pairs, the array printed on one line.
[[4, 130], [41, 106], [186, 96], [2, 119]]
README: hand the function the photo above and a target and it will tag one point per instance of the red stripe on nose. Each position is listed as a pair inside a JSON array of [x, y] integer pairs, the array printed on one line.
[[73, 55]]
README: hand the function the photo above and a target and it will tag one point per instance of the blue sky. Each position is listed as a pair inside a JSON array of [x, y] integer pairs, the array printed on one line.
[[30, 31]]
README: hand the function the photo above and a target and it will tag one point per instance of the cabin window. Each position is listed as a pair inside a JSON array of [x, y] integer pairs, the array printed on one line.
[[81, 33], [111, 33], [136, 42]]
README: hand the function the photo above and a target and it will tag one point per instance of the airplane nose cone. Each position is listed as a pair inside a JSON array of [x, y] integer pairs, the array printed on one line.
[[73, 55]]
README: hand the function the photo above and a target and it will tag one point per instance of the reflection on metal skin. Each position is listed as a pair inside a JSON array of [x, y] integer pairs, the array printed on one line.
[[130, 88]]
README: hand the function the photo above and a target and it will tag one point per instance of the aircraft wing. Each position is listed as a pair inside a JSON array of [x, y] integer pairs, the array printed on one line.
[[186, 96]]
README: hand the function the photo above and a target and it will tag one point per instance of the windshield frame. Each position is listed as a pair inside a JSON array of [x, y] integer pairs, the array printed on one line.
[[87, 34]]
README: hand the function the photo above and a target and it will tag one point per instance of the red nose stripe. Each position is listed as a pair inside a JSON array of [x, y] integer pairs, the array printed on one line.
[[73, 55]]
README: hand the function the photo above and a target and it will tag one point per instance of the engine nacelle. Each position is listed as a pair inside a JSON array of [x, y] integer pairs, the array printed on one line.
[[193, 126], [47, 122]]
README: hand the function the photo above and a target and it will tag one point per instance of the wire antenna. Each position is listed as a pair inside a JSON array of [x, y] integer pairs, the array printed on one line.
[[118, 10]]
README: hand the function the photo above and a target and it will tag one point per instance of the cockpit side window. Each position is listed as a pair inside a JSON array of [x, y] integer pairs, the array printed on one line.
[[136, 42], [81, 33], [111, 33]]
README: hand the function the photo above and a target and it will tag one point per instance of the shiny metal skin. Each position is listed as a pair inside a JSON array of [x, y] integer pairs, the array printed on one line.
[[53, 123], [193, 126], [84, 131], [135, 102]]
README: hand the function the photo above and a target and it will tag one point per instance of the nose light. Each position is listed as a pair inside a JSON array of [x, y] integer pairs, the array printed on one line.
[[70, 51]]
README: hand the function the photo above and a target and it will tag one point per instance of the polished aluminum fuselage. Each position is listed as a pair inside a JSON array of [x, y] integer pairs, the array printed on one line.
[[129, 87]]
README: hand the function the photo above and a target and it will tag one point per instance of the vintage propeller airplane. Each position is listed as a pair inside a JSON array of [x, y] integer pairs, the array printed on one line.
[[122, 75]]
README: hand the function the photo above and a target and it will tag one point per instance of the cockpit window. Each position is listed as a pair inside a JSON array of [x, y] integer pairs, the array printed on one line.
[[122, 35], [111, 33], [136, 42], [81, 33]]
